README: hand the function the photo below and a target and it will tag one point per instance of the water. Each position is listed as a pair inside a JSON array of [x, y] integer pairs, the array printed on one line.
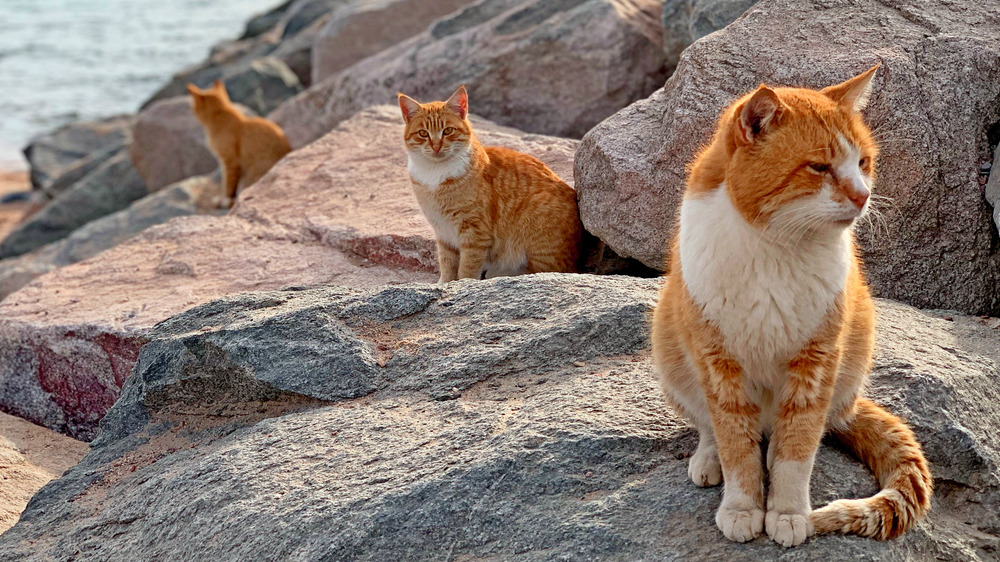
[[70, 60]]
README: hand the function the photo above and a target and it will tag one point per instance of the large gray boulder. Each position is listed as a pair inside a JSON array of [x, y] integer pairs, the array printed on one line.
[[934, 245], [512, 419], [362, 28], [169, 144], [686, 21], [188, 197], [52, 154], [112, 186], [556, 68]]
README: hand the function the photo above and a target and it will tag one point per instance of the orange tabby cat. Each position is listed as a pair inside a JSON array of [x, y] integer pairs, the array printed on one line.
[[247, 147], [765, 327], [494, 211]]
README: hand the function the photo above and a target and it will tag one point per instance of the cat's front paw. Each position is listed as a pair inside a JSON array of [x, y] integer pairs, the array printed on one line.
[[788, 529], [740, 525], [704, 468]]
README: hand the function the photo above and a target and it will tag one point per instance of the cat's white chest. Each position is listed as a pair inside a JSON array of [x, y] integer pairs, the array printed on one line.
[[766, 300], [445, 229], [428, 177], [432, 173]]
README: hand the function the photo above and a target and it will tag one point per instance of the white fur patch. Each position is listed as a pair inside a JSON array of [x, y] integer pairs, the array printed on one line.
[[445, 229], [789, 491], [767, 299], [432, 173], [849, 168]]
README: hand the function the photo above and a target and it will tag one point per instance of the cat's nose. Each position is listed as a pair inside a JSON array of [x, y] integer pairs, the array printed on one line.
[[859, 196]]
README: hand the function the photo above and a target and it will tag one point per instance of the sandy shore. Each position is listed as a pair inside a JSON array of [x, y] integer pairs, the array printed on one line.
[[10, 214], [30, 456]]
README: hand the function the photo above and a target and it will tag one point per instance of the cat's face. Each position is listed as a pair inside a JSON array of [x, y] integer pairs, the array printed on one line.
[[206, 102], [803, 160], [438, 130]]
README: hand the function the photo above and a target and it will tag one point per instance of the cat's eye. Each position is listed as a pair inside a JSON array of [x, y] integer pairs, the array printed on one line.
[[863, 163], [447, 131], [819, 168], [423, 134]]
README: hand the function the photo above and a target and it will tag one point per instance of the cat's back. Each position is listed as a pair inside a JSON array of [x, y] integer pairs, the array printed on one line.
[[265, 137], [511, 168]]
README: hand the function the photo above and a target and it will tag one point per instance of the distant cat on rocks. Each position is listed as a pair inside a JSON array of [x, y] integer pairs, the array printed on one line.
[[495, 211], [247, 147]]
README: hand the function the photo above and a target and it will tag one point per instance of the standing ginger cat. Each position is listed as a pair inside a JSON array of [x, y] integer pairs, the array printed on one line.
[[247, 147], [765, 326], [493, 210]]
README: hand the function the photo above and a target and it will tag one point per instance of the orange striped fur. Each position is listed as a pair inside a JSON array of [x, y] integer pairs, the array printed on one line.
[[246, 147], [495, 211], [765, 327]]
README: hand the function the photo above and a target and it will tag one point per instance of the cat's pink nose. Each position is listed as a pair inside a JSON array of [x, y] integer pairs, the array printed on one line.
[[859, 196]]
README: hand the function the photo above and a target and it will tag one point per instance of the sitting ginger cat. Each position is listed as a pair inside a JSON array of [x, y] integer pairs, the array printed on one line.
[[494, 210], [765, 327], [247, 147]]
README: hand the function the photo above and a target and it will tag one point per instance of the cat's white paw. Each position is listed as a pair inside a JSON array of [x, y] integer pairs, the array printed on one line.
[[788, 529], [704, 468], [225, 202], [740, 525]]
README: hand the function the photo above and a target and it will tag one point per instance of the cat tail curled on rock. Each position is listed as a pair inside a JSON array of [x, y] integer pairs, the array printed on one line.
[[888, 447]]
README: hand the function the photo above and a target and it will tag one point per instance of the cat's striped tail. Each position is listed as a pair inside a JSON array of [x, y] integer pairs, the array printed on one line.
[[884, 443]]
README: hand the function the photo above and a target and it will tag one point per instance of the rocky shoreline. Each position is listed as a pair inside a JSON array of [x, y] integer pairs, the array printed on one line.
[[284, 378]]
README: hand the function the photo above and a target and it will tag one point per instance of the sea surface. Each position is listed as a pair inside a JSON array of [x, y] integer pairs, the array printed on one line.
[[71, 60]]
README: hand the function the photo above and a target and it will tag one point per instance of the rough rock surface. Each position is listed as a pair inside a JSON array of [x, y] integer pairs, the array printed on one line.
[[83, 167], [30, 456], [993, 190], [112, 186], [512, 419], [686, 21], [263, 84], [251, 77], [936, 246], [51, 154], [169, 144], [552, 67], [361, 28], [260, 24], [188, 197]]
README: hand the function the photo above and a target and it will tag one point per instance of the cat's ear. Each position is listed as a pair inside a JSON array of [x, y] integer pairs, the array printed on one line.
[[409, 106], [854, 93], [194, 90], [758, 115], [459, 102], [220, 89]]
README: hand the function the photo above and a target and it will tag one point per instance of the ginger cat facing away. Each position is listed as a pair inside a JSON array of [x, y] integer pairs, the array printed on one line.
[[494, 210], [765, 327], [247, 147]]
